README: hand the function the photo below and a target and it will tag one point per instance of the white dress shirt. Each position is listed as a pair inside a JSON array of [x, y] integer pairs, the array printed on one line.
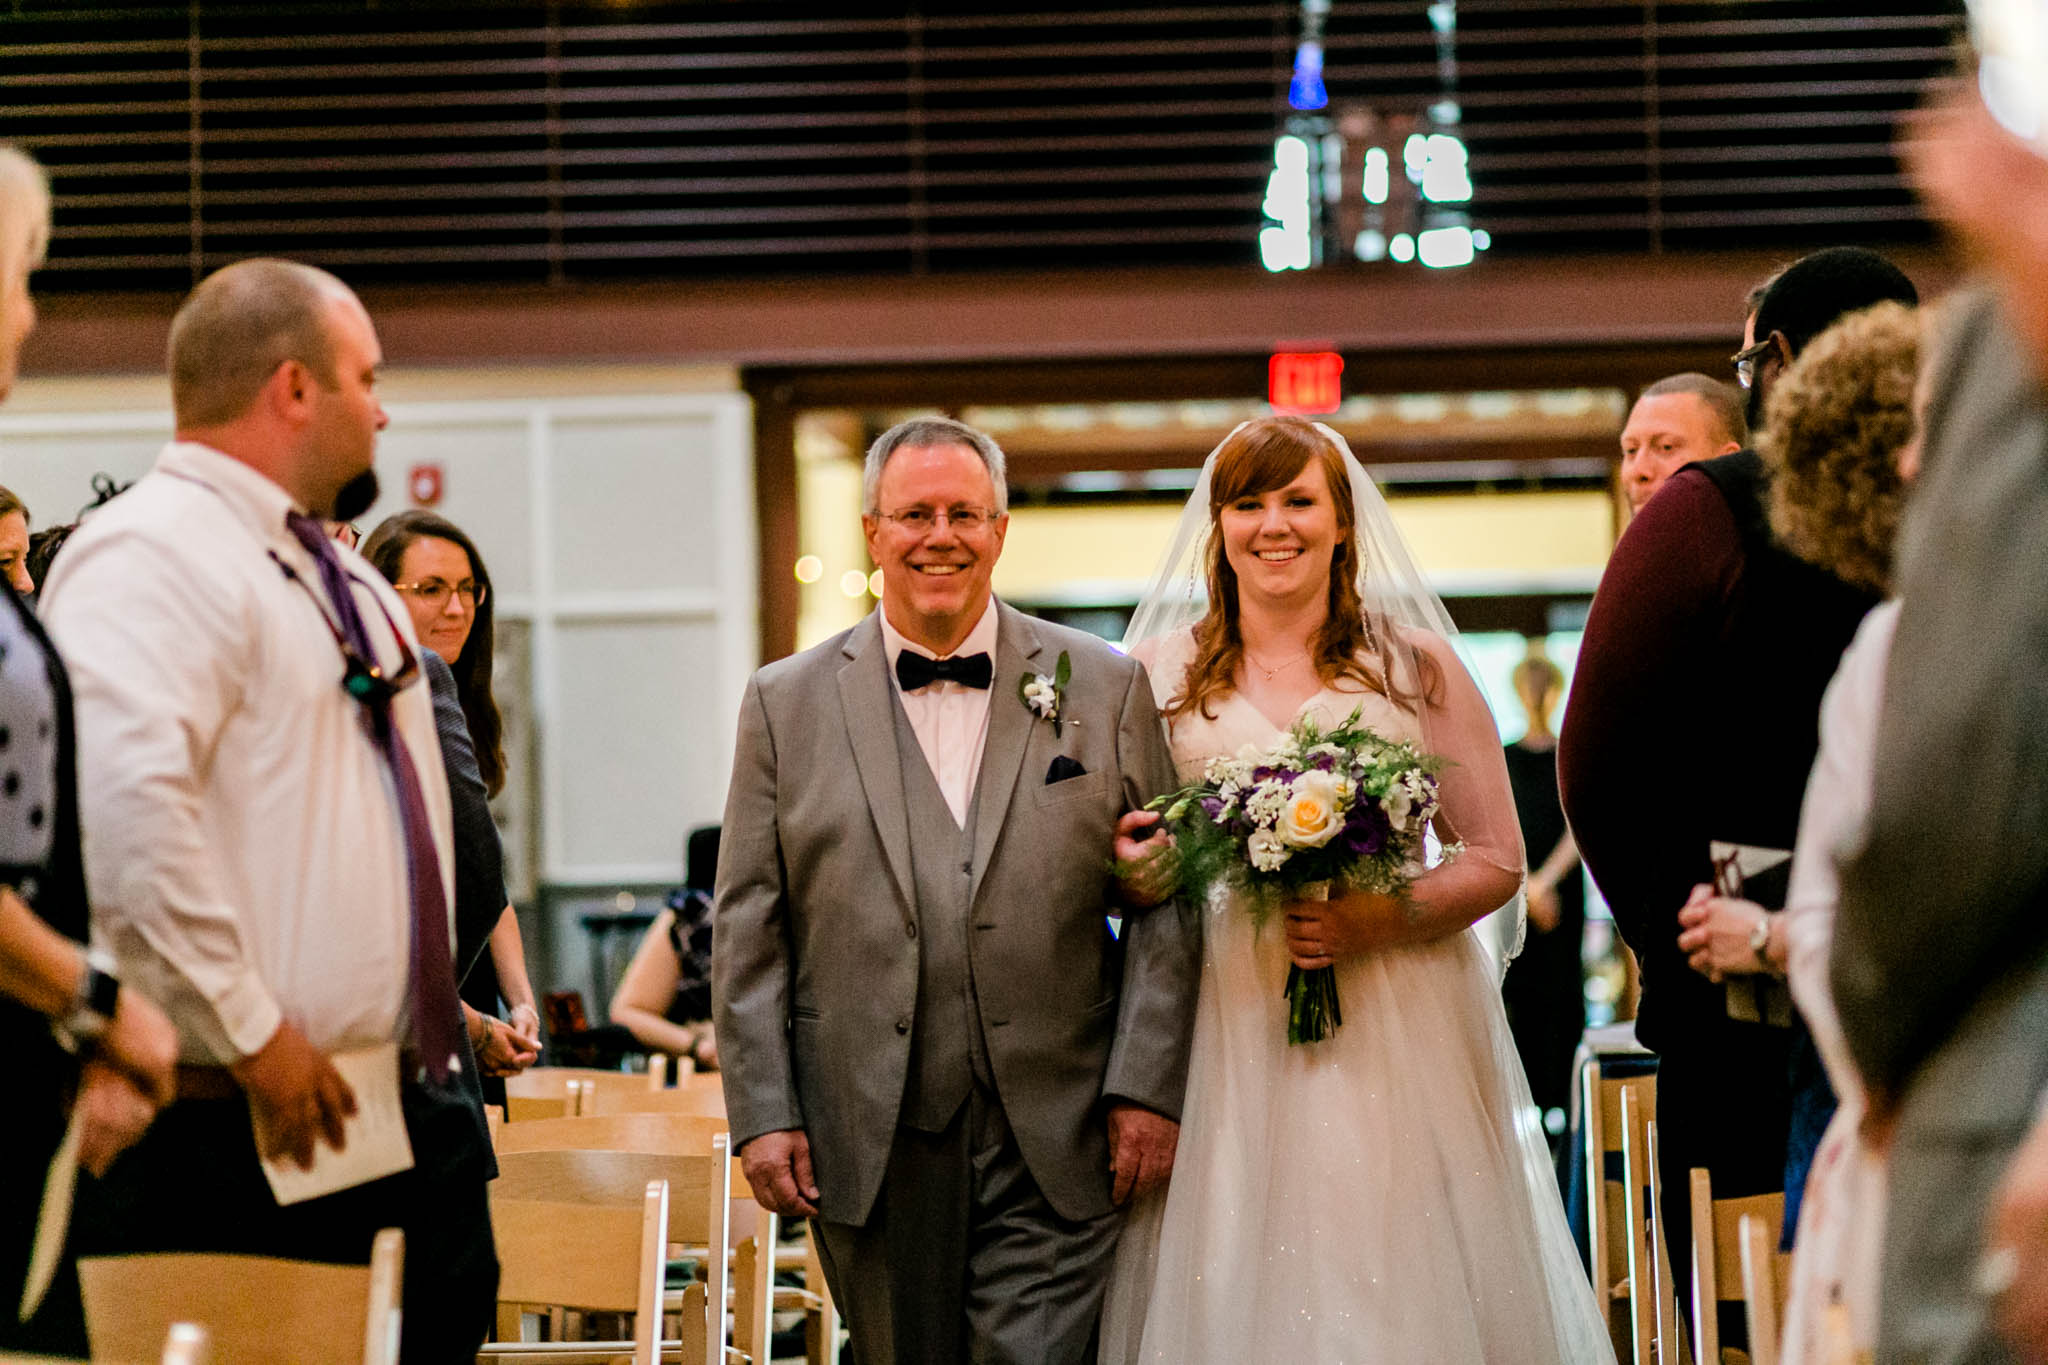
[[949, 719], [243, 848]]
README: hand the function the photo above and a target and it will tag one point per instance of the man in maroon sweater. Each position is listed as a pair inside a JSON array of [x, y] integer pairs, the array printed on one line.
[[1694, 717]]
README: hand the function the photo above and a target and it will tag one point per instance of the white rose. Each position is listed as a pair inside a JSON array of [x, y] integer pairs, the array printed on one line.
[[1312, 816], [1267, 852]]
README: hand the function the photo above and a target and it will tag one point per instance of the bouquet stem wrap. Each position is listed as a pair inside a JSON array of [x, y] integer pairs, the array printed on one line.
[[1313, 1010]]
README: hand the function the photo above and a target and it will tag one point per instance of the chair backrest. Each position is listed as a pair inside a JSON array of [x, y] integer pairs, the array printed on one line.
[[253, 1308], [1760, 1275], [697, 1210], [1603, 1081], [601, 1254], [1649, 1282], [1663, 1282], [546, 1092], [1717, 1255], [707, 1100], [659, 1134]]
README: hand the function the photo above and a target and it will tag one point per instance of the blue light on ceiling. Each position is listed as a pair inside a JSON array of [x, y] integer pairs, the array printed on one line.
[[1305, 91]]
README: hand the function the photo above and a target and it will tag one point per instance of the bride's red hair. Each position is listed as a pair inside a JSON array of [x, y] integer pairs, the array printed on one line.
[[1258, 458]]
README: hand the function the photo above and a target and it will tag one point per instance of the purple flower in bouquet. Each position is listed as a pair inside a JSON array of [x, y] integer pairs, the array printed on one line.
[[1366, 830]]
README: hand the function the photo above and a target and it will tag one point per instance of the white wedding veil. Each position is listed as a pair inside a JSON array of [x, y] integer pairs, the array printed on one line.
[[1398, 602]]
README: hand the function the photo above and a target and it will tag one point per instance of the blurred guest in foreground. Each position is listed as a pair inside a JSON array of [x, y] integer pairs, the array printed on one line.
[[1694, 719], [665, 996], [1840, 441], [436, 568], [258, 763], [72, 1033], [1677, 422], [1938, 962]]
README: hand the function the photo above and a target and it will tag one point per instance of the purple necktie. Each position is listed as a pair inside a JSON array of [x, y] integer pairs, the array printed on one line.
[[436, 1015]]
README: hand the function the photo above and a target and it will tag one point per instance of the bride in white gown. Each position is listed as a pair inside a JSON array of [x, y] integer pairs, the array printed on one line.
[[1377, 1196]]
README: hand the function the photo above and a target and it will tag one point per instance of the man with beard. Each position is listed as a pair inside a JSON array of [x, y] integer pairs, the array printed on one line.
[[1694, 718], [270, 831]]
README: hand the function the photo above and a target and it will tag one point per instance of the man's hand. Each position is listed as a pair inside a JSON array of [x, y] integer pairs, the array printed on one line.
[[1141, 1148], [296, 1095], [111, 1113], [2014, 1270], [505, 1051], [1714, 934], [1546, 909], [1146, 871], [142, 1045], [778, 1167]]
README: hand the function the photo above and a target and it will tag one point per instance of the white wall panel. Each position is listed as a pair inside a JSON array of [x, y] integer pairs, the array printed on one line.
[[636, 503]]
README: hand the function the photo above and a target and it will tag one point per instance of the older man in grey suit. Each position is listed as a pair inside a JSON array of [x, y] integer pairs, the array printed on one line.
[[1940, 960], [932, 1039]]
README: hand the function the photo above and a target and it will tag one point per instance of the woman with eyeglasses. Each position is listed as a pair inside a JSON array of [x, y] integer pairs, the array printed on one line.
[[437, 571]]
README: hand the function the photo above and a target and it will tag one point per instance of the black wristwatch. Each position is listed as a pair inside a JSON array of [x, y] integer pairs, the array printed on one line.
[[92, 1007]]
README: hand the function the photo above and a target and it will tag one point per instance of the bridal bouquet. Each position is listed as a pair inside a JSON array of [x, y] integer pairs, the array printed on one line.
[[1344, 807]]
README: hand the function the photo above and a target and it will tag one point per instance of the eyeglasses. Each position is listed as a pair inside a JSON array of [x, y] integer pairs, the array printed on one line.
[[1748, 358], [434, 592], [922, 520]]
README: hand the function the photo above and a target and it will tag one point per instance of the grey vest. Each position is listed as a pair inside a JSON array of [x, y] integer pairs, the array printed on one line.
[[947, 1052]]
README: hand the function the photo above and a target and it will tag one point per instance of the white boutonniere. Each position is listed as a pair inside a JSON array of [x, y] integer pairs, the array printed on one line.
[[1045, 693]]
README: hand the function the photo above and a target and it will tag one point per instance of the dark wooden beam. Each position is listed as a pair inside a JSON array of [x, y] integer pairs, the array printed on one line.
[[1586, 305]]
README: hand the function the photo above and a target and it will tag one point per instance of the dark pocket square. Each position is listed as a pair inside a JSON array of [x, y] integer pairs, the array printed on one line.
[[1063, 768]]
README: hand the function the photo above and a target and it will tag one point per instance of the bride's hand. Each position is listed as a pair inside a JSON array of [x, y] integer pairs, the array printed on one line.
[[1320, 932], [1145, 869]]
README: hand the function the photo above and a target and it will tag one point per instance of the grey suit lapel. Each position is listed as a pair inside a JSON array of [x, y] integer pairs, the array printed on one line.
[[1009, 732], [866, 701]]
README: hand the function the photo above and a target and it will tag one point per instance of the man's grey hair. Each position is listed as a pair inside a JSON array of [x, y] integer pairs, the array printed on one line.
[[1724, 401], [932, 431], [24, 211], [238, 326]]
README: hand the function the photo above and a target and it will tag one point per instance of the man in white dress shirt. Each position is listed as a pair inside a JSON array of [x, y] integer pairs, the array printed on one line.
[[258, 845]]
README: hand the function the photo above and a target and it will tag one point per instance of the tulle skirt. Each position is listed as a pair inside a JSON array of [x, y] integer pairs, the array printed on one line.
[[1381, 1196]]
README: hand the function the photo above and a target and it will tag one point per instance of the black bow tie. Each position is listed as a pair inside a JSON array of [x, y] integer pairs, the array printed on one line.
[[914, 670]]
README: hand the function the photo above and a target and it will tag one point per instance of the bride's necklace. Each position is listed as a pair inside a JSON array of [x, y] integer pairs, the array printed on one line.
[[1277, 669]]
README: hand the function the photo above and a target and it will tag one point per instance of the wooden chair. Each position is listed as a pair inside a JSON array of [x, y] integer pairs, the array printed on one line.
[[697, 1211], [580, 1244], [1717, 1260], [658, 1134], [753, 1274], [548, 1092], [1762, 1272], [707, 1100], [252, 1308], [1603, 1080], [1652, 1302]]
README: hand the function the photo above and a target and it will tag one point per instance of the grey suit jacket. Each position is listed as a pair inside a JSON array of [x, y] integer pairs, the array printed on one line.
[[1949, 892], [815, 967]]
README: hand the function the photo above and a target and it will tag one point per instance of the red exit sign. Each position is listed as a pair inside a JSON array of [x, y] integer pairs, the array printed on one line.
[[1305, 382]]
